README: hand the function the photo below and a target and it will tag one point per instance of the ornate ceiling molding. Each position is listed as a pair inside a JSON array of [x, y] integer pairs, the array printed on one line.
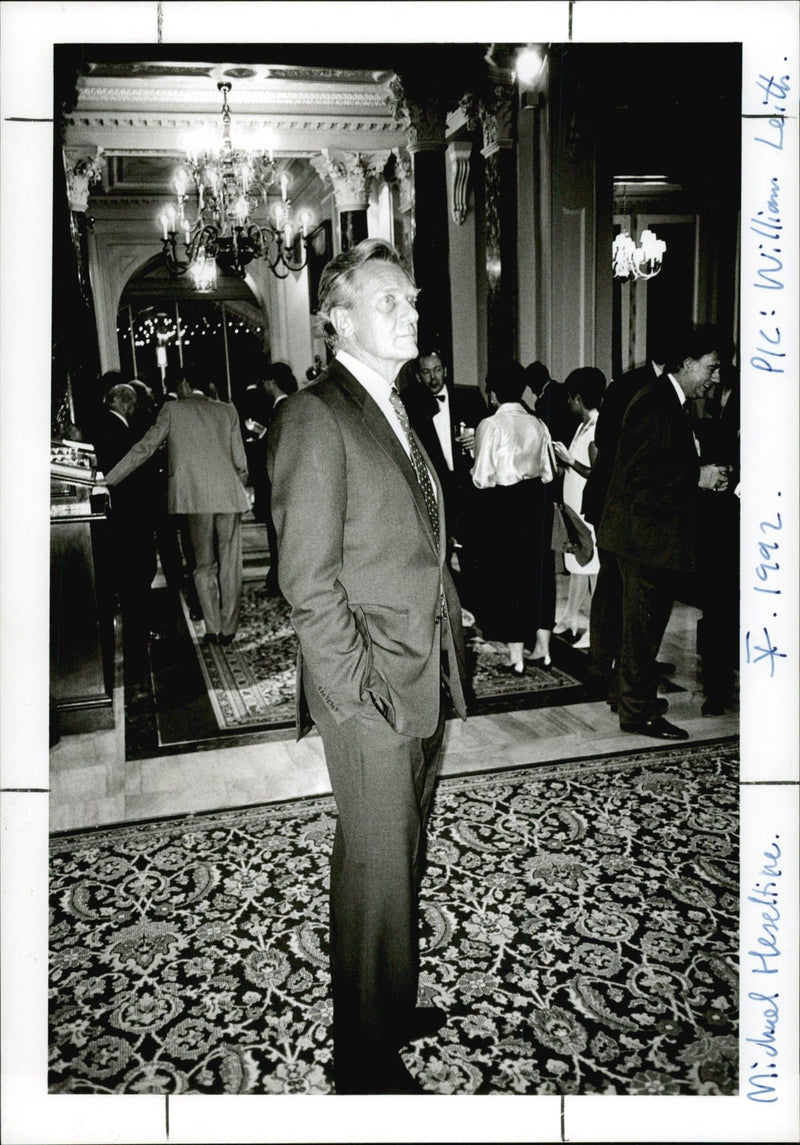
[[245, 99], [297, 122], [164, 134]]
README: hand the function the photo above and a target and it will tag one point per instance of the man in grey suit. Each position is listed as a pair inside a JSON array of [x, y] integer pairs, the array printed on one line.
[[206, 481], [359, 515]]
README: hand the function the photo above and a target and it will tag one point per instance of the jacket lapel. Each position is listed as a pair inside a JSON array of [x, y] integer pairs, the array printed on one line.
[[681, 420], [377, 424]]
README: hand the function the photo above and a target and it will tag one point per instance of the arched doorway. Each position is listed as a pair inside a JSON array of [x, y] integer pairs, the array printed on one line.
[[164, 325]]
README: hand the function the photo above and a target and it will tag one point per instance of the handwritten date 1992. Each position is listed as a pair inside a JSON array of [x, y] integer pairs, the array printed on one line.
[[765, 572], [767, 550]]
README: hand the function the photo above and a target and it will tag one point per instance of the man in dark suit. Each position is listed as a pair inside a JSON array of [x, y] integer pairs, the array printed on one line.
[[255, 410], [279, 383], [717, 584], [131, 525], [605, 621], [552, 402], [359, 515], [206, 481], [650, 519], [444, 417]]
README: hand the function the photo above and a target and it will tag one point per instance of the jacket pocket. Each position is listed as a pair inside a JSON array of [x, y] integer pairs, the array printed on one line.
[[372, 683]]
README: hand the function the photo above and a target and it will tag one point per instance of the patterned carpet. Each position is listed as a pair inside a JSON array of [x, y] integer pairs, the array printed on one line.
[[579, 926], [252, 681]]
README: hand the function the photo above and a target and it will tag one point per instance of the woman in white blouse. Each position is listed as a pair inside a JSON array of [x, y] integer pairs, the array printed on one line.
[[585, 388], [513, 466]]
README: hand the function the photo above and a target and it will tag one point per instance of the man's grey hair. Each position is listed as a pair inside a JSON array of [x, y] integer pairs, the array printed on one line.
[[336, 282]]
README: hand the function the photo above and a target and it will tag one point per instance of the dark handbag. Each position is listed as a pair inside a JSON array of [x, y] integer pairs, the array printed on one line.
[[571, 534]]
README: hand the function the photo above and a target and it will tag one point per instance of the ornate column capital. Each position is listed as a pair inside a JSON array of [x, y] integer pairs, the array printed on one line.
[[497, 118], [458, 153], [404, 179], [493, 109], [351, 175], [424, 120], [83, 172]]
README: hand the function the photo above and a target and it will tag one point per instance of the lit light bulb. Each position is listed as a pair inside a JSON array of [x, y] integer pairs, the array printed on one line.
[[530, 62]]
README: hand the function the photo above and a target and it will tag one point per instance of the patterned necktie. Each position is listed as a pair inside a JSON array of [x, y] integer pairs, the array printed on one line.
[[418, 461]]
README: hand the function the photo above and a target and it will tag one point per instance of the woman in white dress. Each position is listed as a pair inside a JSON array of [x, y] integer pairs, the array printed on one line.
[[585, 387]]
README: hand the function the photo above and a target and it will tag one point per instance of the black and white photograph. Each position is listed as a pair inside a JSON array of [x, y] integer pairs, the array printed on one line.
[[414, 688]]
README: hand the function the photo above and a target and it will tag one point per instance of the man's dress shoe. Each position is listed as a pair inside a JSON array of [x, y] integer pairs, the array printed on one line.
[[713, 707], [422, 1022], [211, 638], [657, 728], [226, 639], [386, 1075]]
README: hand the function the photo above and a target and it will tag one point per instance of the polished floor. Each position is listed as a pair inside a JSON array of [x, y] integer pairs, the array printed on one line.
[[92, 784]]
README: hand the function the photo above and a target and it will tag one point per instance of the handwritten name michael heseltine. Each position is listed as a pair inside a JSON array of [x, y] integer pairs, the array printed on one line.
[[766, 962]]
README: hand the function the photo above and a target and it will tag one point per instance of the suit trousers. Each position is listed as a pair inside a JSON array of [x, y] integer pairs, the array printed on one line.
[[648, 594], [383, 785], [217, 547], [605, 619]]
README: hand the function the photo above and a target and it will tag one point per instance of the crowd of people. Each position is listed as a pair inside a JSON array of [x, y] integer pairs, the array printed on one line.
[[182, 473], [400, 507], [668, 435], [511, 466]]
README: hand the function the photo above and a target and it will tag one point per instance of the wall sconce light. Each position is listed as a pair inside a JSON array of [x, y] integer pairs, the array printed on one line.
[[529, 64]]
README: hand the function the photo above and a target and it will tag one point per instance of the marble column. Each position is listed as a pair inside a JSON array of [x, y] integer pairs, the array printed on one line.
[[75, 359], [425, 123], [402, 183], [351, 174], [496, 118]]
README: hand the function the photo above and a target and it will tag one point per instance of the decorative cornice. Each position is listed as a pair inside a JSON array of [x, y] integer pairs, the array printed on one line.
[[333, 95], [102, 122]]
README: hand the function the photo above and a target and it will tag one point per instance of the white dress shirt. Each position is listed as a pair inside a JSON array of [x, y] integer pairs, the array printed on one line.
[[378, 389], [443, 426], [510, 446]]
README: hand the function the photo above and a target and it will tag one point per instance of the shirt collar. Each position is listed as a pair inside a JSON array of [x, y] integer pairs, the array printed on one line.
[[121, 417], [363, 373], [678, 390]]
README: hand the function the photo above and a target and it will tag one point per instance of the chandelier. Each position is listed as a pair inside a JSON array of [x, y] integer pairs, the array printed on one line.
[[231, 184], [642, 261]]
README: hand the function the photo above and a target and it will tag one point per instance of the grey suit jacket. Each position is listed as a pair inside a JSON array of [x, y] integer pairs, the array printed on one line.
[[372, 600], [207, 464]]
